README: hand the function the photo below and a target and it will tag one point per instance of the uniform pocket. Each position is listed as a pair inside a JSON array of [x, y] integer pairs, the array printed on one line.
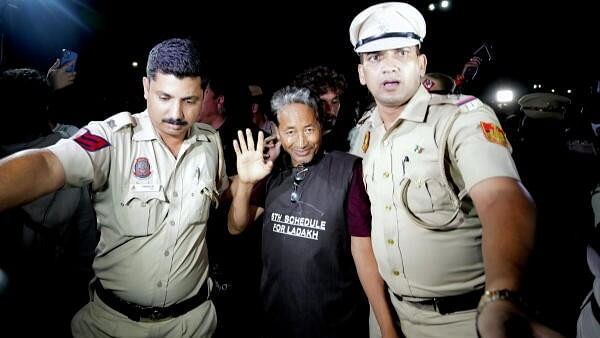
[[429, 203], [202, 197], [143, 212]]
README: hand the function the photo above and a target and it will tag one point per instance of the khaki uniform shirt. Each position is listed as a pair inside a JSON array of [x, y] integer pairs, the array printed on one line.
[[402, 175], [151, 207], [360, 134]]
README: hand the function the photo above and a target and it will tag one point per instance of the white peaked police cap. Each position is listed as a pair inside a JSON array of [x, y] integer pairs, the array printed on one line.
[[544, 105], [387, 25]]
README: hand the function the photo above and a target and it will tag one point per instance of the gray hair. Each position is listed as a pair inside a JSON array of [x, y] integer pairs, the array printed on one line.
[[289, 95]]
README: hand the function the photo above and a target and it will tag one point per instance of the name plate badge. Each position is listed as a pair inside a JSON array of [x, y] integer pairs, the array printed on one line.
[[145, 187]]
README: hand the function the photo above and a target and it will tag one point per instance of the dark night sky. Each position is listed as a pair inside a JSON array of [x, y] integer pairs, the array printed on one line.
[[533, 41]]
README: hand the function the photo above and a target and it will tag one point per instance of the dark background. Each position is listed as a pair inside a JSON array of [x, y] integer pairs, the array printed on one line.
[[532, 41]]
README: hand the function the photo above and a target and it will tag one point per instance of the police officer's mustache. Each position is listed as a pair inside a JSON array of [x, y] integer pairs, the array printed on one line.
[[177, 122]]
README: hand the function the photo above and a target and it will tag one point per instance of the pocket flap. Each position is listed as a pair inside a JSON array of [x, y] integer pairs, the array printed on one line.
[[143, 196]]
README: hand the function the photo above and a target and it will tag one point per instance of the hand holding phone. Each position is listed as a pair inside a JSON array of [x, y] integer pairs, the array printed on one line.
[[62, 73], [68, 56]]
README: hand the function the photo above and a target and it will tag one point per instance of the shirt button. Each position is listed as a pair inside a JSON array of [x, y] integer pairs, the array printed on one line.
[[386, 174], [166, 252], [159, 284], [395, 272], [391, 241], [388, 207], [143, 204], [175, 194], [172, 222]]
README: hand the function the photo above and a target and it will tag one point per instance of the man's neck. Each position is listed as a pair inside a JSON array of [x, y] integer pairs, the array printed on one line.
[[217, 122], [389, 114], [173, 143]]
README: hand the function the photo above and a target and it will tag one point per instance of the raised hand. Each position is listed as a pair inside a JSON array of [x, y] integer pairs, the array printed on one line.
[[471, 68], [251, 164]]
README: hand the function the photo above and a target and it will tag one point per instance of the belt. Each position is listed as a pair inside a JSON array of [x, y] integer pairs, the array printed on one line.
[[138, 313], [448, 304]]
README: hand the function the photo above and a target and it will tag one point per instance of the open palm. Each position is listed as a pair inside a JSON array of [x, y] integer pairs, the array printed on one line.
[[251, 165]]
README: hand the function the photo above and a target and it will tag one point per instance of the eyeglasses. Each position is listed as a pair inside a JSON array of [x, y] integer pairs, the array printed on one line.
[[299, 177]]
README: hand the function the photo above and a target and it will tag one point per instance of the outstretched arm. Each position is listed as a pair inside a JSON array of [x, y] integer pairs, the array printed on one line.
[[507, 214], [251, 167], [27, 175]]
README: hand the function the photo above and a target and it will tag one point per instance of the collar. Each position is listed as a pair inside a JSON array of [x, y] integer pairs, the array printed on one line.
[[415, 110]]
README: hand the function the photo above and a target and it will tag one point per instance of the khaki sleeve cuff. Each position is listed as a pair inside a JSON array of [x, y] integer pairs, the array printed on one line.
[[75, 161]]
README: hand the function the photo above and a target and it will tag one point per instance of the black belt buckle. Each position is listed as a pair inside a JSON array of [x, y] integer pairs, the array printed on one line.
[[157, 314], [440, 306]]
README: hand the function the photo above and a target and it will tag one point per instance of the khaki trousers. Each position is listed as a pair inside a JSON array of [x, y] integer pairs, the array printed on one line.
[[98, 320]]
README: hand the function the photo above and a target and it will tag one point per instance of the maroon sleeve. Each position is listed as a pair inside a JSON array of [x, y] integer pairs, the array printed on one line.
[[358, 206]]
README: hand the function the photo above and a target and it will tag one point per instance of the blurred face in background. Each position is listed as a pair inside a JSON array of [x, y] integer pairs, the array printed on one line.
[[330, 103], [212, 106]]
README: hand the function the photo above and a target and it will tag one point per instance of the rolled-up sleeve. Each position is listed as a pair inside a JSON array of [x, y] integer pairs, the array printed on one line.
[[83, 166]]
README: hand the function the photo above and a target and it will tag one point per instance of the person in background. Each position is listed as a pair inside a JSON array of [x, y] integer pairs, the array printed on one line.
[[588, 323], [52, 235], [60, 80], [330, 86], [153, 176], [260, 118], [316, 249], [225, 108], [438, 83], [452, 225]]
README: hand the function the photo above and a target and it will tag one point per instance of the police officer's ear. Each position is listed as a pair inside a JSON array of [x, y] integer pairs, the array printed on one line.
[[361, 73], [146, 83], [422, 65]]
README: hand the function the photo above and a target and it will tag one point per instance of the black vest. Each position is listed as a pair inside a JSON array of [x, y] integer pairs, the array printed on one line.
[[309, 283]]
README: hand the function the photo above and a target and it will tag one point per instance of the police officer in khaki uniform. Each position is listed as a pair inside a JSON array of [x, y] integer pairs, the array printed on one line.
[[452, 225], [154, 175]]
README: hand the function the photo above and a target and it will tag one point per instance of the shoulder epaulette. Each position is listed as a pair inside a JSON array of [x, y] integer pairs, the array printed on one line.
[[464, 102], [203, 127], [365, 116], [120, 120]]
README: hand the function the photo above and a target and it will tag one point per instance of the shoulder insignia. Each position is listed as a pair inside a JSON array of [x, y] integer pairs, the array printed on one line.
[[467, 102], [365, 117], [366, 140], [438, 99], [89, 141], [494, 133], [120, 120], [204, 132], [205, 128]]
